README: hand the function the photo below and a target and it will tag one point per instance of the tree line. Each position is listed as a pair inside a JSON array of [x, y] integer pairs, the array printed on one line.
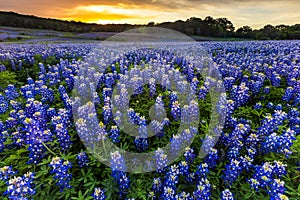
[[209, 27]]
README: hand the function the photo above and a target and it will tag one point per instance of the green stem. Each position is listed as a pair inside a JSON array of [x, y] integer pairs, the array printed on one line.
[[49, 149]]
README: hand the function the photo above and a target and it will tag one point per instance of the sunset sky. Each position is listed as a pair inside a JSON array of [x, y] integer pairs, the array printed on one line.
[[254, 13]]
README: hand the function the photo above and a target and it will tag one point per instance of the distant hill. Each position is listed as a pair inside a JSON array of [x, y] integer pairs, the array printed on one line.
[[208, 27], [13, 19]]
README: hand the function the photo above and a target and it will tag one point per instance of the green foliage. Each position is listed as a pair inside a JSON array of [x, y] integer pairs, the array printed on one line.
[[6, 78]]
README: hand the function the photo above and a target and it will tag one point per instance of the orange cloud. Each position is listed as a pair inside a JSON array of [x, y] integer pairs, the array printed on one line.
[[93, 17]]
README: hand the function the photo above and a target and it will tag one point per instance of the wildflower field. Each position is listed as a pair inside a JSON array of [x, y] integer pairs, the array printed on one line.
[[257, 156]]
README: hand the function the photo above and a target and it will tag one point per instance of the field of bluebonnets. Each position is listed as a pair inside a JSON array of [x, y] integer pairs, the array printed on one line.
[[256, 157]]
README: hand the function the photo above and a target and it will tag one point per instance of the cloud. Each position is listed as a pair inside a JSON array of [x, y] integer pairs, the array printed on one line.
[[255, 13]]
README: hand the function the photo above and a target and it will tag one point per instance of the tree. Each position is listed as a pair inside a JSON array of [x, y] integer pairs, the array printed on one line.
[[151, 24], [225, 24], [244, 32]]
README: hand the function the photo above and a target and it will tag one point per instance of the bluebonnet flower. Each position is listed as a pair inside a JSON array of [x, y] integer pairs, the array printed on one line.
[[182, 86], [275, 79], [152, 195], [107, 92], [270, 143], [289, 92], [123, 97], [157, 128], [48, 95], [183, 168], [279, 144], [141, 142], [168, 193], [202, 170], [176, 110], [240, 94], [230, 121], [236, 136], [270, 105], [114, 134], [133, 116], [82, 159], [21, 187], [183, 196], [195, 84], [257, 106], [152, 87], [185, 115], [189, 70], [122, 181], [11, 122], [109, 80], [176, 143], [63, 136], [61, 170], [11, 92], [51, 112], [276, 187], [233, 152], [35, 137], [271, 123], [266, 90], [6, 173], [278, 107], [171, 180], [189, 155], [18, 138], [252, 140], [107, 111], [174, 169], [246, 162], [3, 104], [227, 195], [293, 113], [193, 110], [161, 159], [279, 168], [136, 84], [15, 105], [254, 184], [279, 197], [191, 177], [211, 158], [203, 190], [245, 79], [3, 68], [117, 162], [96, 98], [203, 91], [228, 83], [285, 141], [165, 81], [159, 108], [166, 122], [2, 136], [65, 116], [99, 194], [156, 185], [256, 86], [232, 171], [264, 174]]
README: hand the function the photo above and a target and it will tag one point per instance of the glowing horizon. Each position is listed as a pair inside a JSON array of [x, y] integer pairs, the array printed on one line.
[[253, 13]]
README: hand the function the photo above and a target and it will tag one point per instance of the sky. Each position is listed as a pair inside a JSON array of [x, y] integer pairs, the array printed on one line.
[[254, 13]]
